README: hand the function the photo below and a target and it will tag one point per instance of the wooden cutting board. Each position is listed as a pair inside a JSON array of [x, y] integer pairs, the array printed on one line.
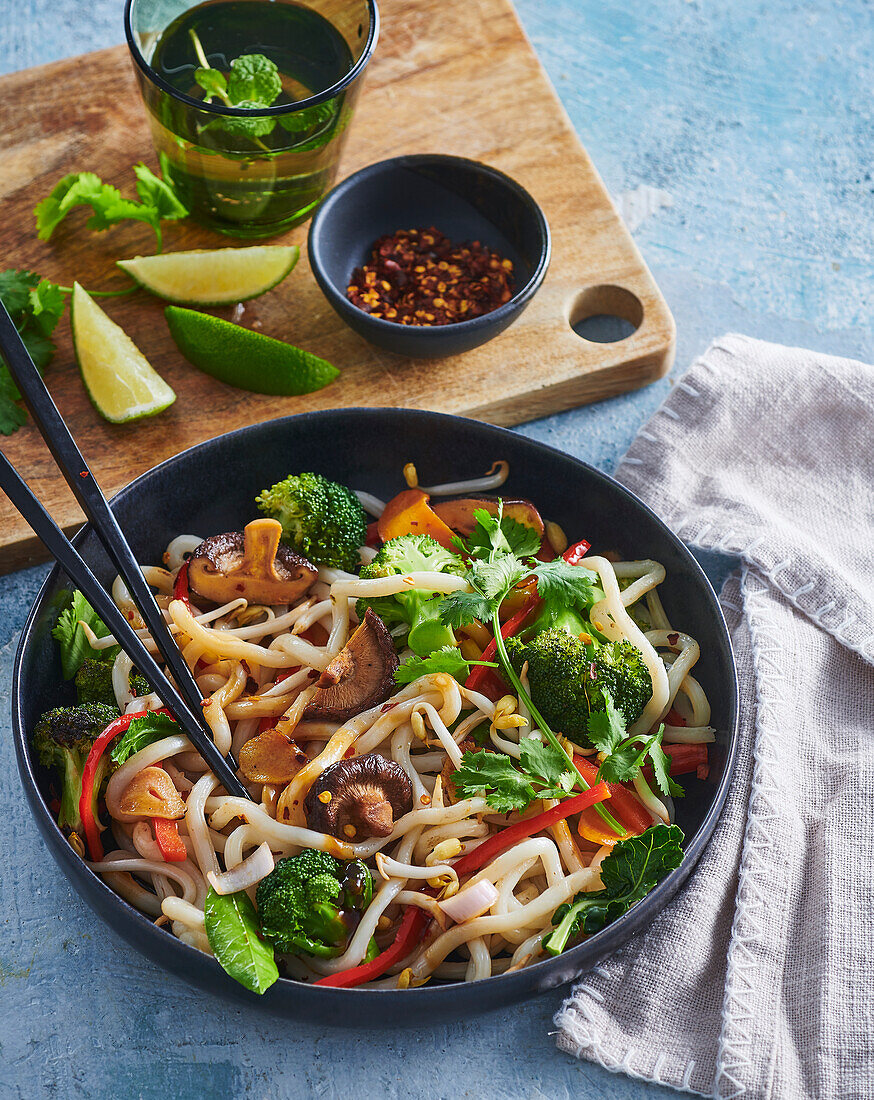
[[448, 76]]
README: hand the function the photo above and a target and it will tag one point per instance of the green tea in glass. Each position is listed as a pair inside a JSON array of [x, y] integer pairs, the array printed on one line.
[[249, 101]]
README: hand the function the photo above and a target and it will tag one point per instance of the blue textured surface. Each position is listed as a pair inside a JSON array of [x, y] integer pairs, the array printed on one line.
[[756, 120]]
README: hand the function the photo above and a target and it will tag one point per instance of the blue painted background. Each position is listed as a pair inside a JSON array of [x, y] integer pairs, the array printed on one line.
[[756, 122]]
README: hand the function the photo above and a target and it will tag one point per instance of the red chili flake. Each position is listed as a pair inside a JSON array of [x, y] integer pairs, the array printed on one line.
[[673, 639], [418, 277]]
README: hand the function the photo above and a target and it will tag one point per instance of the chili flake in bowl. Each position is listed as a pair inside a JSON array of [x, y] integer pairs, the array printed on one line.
[[418, 277], [493, 240]]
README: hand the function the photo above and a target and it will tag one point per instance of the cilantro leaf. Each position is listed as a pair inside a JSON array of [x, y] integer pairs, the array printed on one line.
[[566, 585], [40, 348], [495, 578], [12, 416], [107, 204], [461, 608], [72, 639], [212, 81], [35, 306], [142, 732], [47, 306], [606, 727], [15, 288], [544, 763], [628, 873], [254, 81], [448, 659], [661, 764], [500, 534], [493, 775]]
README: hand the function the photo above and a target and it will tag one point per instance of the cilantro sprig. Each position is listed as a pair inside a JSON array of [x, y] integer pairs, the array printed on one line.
[[625, 756], [448, 659], [35, 306], [542, 772], [498, 547], [158, 203]]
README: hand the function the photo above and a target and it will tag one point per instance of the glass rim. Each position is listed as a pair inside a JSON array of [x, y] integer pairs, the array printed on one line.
[[247, 112]]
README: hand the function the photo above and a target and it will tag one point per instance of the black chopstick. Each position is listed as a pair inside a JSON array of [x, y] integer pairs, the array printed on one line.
[[66, 554], [57, 543], [79, 477]]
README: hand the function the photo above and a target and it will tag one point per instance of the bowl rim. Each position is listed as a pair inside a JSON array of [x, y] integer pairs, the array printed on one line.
[[576, 959], [334, 90], [425, 332]]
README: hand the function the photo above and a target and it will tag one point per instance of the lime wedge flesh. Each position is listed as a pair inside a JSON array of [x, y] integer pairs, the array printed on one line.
[[120, 381], [213, 277], [246, 359]]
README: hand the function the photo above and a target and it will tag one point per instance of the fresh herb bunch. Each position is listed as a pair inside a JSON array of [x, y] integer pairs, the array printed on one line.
[[158, 202], [628, 873], [252, 84]]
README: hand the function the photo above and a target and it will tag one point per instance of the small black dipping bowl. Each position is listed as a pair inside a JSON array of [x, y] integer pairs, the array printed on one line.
[[465, 200], [211, 488]]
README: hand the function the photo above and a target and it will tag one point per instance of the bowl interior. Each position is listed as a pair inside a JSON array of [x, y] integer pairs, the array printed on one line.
[[211, 488], [462, 199]]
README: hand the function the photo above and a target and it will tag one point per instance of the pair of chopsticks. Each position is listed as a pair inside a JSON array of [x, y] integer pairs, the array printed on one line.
[[186, 703]]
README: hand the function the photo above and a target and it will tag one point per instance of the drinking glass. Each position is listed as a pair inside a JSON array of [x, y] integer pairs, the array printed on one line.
[[250, 172]]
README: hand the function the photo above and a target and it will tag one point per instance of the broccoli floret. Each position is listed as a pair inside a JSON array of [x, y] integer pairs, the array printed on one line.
[[419, 609], [94, 683], [300, 902], [567, 678], [63, 738], [322, 520]]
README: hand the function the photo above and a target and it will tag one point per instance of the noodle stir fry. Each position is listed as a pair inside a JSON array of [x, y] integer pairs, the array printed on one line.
[[460, 734]]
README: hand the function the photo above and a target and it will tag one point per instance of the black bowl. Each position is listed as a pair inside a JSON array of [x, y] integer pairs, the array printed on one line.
[[211, 487], [462, 198]]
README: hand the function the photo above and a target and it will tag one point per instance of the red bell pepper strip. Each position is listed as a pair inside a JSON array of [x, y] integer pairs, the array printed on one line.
[[684, 759], [372, 537], [180, 586], [506, 838], [410, 931], [115, 727], [575, 554], [482, 677], [624, 806], [169, 841]]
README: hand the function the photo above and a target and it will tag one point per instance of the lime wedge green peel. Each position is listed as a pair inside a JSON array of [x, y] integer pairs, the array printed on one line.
[[246, 359], [119, 379], [214, 277]]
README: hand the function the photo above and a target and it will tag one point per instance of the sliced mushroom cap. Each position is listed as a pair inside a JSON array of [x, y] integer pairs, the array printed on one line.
[[360, 676], [150, 793], [252, 564], [359, 797], [272, 757]]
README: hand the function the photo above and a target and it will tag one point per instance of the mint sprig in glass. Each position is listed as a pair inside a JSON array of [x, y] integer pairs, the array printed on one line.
[[249, 101]]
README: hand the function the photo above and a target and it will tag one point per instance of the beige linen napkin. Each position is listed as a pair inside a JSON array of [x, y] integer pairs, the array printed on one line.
[[758, 980]]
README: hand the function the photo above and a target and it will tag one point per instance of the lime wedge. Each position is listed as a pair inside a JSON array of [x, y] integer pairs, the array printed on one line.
[[119, 379], [246, 359], [213, 277]]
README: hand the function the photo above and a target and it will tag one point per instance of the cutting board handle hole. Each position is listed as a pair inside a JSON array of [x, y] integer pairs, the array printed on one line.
[[606, 314]]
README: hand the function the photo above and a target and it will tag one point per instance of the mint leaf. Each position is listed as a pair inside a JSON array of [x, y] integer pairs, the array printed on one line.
[[254, 81], [298, 122], [212, 81], [493, 775], [142, 732], [73, 642], [254, 127]]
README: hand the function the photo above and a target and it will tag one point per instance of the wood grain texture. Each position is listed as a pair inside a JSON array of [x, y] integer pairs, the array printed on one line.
[[482, 94]]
